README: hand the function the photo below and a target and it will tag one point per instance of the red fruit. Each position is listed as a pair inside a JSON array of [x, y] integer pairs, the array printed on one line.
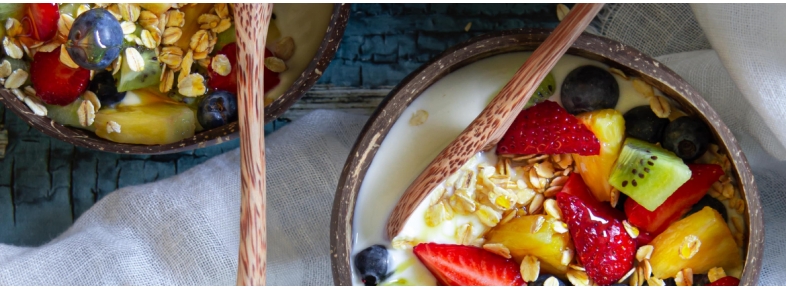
[[602, 245], [680, 202], [575, 186], [726, 281], [271, 78], [547, 128], [229, 82], [644, 238], [459, 265], [54, 82], [40, 21]]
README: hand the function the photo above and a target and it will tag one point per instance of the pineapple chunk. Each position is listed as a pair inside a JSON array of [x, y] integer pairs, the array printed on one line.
[[608, 125], [156, 8], [192, 13], [545, 244], [675, 247], [145, 96], [156, 123]]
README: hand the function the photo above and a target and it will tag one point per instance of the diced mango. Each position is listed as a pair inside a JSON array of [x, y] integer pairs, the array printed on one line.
[[545, 244], [674, 248]]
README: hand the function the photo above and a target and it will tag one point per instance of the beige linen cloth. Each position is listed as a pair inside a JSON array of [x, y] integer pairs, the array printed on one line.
[[184, 230]]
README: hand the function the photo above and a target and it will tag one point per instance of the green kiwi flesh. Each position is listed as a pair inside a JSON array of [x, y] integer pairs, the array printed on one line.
[[67, 114], [545, 90], [151, 75], [648, 174]]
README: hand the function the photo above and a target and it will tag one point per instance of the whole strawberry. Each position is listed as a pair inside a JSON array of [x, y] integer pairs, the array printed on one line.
[[54, 82], [547, 128], [602, 245]]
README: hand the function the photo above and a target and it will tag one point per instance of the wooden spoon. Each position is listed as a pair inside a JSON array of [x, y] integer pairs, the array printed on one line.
[[488, 128], [252, 21]]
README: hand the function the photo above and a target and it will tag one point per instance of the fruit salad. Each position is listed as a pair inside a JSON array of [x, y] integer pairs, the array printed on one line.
[[600, 180], [148, 73]]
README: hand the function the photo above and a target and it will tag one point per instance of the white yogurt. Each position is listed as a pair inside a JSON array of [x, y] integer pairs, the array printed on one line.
[[452, 103]]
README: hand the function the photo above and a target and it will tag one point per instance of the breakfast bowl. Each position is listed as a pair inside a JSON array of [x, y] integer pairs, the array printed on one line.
[[503, 203], [302, 40]]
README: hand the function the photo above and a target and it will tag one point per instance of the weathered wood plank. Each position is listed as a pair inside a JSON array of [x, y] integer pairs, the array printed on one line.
[[84, 181], [347, 99]]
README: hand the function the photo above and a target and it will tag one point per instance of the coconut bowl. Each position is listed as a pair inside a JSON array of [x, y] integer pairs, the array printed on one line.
[[607, 51], [334, 31]]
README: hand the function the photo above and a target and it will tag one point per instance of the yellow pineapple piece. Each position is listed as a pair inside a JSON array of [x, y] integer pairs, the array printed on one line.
[[534, 235], [151, 124], [144, 96], [701, 242], [156, 8], [608, 125], [191, 26]]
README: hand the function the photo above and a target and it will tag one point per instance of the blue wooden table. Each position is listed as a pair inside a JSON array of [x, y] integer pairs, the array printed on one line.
[[46, 184]]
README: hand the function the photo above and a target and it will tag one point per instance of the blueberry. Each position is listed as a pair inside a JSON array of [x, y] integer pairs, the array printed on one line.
[[589, 88], [687, 137], [103, 85], [542, 279], [709, 201], [95, 39], [372, 264], [643, 124], [217, 109]]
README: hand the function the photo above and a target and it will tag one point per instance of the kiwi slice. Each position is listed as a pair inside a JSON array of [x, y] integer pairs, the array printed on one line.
[[226, 37], [151, 75], [67, 114], [18, 64], [545, 90], [647, 173]]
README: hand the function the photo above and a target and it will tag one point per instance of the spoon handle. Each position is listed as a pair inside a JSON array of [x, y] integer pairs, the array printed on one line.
[[251, 22], [488, 128]]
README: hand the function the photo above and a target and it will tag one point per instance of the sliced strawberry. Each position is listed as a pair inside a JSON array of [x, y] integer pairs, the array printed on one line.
[[54, 82], [680, 202], [40, 21], [726, 281], [459, 265], [547, 128], [575, 186], [229, 82], [602, 244]]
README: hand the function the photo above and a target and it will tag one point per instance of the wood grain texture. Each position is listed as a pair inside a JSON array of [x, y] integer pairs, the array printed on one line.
[[489, 127], [253, 21], [612, 53]]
